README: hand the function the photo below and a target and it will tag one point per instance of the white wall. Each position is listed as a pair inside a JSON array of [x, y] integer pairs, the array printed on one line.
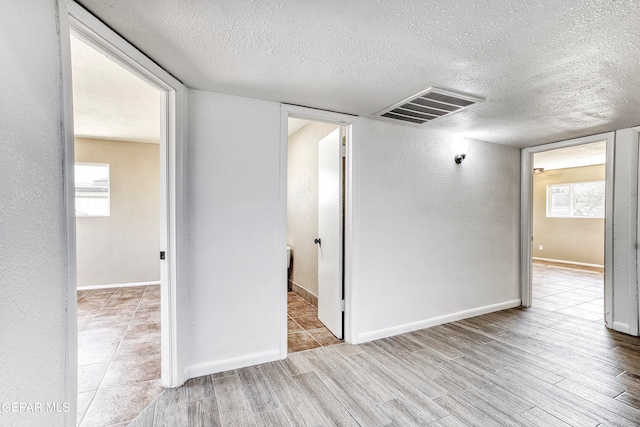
[[33, 272], [233, 168], [437, 239], [123, 247]]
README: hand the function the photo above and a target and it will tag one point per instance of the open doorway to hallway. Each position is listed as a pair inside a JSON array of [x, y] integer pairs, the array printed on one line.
[[315, 234], [117, 203], [568, 247]]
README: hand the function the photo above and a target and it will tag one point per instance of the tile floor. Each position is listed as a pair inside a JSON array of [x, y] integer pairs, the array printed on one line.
[[305, 330], [571, 291], [118, 354]]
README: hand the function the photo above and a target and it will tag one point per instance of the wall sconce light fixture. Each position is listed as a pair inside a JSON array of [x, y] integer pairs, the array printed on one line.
[[459, 158]]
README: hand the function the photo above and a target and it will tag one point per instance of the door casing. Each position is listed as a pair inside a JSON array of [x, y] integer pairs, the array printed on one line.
[[72, 17], [350, 224], [526, 216]]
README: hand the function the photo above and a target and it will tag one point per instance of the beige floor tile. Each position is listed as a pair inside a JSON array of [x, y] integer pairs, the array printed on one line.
[[118, 354]]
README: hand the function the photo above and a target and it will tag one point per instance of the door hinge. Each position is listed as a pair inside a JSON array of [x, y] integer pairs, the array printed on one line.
[[162, 254], [343, 151], [342, 305]]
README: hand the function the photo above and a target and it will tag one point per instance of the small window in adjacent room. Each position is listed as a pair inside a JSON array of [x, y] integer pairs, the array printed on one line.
[[576, 200], [92, 189]]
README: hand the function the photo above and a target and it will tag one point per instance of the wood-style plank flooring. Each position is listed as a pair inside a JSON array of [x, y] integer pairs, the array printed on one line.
[[518, 367]]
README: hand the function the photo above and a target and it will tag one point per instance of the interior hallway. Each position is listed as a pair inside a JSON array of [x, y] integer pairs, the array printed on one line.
[[119, 358], [517, 367], [577, 292], [118, 354]]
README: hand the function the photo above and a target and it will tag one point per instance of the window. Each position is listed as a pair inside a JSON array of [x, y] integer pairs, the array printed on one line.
[[92, 189], [576, 200]]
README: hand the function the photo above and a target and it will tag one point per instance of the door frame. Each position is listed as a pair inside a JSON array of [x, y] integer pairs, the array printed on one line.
[[75, 19], [350, 185], [526, 217]]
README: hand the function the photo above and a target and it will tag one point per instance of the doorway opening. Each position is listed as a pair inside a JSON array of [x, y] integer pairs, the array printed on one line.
[[567, 228], [569, 192], [117, 207], [171, 135], [315, 234]]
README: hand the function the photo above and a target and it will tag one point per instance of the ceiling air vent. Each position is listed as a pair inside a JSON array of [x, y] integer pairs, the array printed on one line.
[[428, 105]]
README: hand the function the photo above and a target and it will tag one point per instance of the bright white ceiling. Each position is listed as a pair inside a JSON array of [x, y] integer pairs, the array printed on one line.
[[549, 70], [296, 124], [572, 157], [110, 102]]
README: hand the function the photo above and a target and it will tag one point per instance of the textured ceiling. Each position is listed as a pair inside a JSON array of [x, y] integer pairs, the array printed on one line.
[[549, 70], [110, 102], [572, 157]]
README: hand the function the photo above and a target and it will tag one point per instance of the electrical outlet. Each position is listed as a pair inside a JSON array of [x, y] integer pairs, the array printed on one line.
[[540, 247]]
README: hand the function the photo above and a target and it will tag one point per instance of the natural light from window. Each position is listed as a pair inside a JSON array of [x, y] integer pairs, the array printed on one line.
[[92, 189], [576, 200]]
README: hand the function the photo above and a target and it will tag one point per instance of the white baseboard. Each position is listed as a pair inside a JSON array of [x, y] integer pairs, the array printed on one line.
[[560, 261], [117, 285], [410, 327], [216, 366], [621, 327]]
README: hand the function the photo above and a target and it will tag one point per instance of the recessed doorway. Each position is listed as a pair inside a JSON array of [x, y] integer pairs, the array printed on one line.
[[117, 129], [171, 97], [567, 228], [315, 239], [569, 186]]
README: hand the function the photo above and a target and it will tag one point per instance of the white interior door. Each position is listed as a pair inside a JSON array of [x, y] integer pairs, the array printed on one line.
[[330, 232]]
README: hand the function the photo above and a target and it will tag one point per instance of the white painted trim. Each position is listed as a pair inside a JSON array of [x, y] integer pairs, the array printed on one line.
[[560, 261], [173, 139], [350, 226], [352, 233], [632, 274], [608, 229], [526, 216], [636, 284], [71, 359], [117, 285], [208, 368], [282, 230], [634, 292], [526, 227], [621, 327], [422, 324]]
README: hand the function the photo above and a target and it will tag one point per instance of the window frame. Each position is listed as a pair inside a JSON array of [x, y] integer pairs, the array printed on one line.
[[572, 199]]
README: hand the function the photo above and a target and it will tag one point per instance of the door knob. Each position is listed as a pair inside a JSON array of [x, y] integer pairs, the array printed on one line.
[[317, 242]]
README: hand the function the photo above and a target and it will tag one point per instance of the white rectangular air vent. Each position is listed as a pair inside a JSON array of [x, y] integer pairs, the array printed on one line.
[[428, 105]]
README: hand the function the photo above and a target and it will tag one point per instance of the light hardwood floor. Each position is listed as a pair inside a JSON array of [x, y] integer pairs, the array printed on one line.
[[518, 367]]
